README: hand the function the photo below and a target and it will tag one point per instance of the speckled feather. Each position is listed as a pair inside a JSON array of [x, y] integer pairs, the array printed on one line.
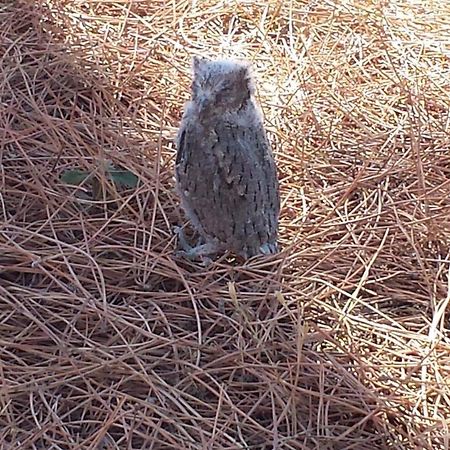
[[225, 171]]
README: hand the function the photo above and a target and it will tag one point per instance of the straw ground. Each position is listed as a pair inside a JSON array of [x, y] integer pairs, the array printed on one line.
[[108, 341]]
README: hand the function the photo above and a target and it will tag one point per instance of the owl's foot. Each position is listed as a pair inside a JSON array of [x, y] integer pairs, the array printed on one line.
[[268, 248], [182, 242], [202, 251]]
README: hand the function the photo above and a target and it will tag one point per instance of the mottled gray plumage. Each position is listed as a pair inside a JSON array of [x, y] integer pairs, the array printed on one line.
[[225, 171]]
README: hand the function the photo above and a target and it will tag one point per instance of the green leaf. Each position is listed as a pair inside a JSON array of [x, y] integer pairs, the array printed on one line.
[[74, 176], [124, 177]]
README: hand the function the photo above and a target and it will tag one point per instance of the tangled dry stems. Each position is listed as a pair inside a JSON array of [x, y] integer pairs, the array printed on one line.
[[339, 342]]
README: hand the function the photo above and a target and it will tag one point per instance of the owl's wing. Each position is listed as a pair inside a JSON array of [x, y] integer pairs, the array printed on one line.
[[245, 157], [229, 180]]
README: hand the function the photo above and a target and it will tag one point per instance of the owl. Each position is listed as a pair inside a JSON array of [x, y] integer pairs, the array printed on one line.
[[225, 171]]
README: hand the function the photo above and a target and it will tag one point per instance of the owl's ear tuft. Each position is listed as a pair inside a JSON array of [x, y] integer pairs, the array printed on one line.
[[244, 69], [246, 74], [198, 64]]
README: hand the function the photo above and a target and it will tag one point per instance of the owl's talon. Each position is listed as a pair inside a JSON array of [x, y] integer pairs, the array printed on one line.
[[268, 248], [182, 242], [193, 255], [201, 252]]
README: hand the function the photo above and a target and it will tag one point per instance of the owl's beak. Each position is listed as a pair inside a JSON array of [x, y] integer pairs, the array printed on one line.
[[202, 104]]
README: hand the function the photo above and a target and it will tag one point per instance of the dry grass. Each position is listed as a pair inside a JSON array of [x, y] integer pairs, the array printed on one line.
[[107, 341]]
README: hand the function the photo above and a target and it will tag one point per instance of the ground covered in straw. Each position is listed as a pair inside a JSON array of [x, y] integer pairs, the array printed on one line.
[[108, 341]]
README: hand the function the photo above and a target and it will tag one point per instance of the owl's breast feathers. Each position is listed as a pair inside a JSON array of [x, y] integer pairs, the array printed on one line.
[[228, 183]]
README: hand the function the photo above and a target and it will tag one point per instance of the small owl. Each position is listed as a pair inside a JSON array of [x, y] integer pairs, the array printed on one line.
[[225, 171]]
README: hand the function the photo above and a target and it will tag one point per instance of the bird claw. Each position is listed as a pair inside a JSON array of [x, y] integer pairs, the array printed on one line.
[[193, 253], [182, 239], [194, 256], [268, 248]]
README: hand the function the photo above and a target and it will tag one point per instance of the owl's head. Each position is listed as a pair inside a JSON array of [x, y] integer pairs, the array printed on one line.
[[221, 86]]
